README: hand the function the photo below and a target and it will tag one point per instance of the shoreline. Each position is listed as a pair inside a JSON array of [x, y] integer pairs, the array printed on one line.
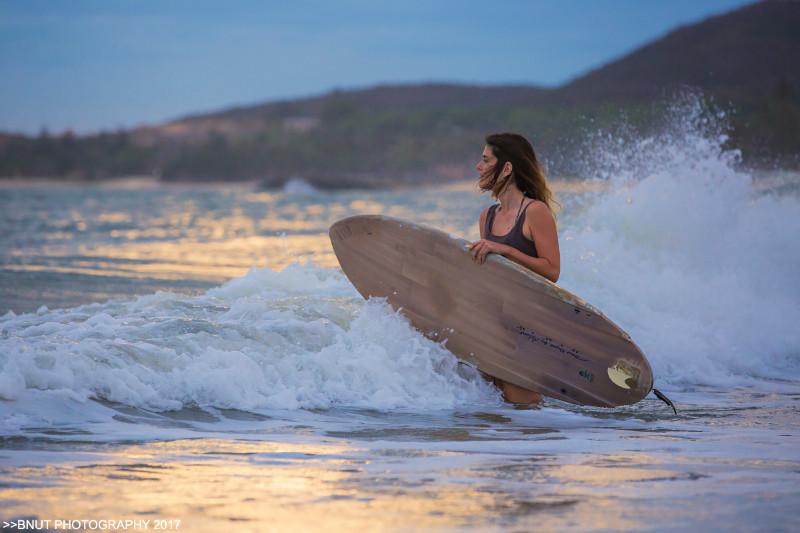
[[761, 176]]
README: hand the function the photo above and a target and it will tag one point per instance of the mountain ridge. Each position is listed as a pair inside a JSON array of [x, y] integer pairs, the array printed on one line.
[[747, 60]]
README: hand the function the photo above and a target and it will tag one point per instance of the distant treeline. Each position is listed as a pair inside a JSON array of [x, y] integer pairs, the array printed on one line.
[[745, 62], [67, 156], [350, 146]]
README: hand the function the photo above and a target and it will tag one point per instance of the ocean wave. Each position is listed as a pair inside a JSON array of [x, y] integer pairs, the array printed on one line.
[[298, 338]]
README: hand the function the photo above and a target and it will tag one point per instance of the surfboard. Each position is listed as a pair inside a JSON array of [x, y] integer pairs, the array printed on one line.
[[499, 316]]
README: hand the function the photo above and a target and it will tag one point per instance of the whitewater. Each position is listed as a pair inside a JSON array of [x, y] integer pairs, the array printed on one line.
[[171, 339]]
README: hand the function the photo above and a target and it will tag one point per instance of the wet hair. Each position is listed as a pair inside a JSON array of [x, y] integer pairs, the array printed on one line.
[[526, 171]]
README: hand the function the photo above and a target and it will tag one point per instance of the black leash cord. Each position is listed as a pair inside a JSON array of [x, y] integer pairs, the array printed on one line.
[[660, 396]]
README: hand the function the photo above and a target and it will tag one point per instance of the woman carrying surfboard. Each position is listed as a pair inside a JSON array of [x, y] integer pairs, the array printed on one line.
[[522, 226], [507, 319]]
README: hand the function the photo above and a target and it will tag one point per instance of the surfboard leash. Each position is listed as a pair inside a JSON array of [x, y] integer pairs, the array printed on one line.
[[660, 395]]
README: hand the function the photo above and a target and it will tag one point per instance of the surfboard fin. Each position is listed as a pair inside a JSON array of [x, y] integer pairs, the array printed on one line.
[[660, 396]]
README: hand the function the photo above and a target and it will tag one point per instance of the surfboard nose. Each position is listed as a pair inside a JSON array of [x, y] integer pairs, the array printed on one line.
[[339, 231], [361, 225]]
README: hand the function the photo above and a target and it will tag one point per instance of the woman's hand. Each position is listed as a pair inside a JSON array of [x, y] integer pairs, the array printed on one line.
[[480, 249]]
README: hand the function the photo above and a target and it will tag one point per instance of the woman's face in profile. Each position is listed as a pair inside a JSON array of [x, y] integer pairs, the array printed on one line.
[[485, 165]]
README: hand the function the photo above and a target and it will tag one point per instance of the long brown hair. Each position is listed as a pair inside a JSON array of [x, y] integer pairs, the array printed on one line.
[[526, 171]]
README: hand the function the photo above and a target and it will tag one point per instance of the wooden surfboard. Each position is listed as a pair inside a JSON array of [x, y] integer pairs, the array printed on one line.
[[505, 319]]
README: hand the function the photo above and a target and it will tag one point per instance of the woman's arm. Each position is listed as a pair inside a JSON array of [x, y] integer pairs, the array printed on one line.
[[482, 222]]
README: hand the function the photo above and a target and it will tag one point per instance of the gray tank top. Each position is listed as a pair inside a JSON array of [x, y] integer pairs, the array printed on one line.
[[514, 238]]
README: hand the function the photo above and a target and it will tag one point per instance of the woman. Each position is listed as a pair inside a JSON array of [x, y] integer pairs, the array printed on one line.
[[522, 226]]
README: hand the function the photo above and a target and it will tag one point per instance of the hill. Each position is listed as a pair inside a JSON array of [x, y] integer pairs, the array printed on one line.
[[747, 60], [742, 53]]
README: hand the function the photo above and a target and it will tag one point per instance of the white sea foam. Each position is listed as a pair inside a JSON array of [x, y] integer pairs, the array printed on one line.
[[299, 186], [680, 249], [299, 338]]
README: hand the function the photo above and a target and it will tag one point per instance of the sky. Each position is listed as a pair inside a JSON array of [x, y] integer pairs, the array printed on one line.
[[99, 65]]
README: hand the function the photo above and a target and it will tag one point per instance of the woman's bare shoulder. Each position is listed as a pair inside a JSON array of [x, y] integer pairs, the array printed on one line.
[[538, 205], [538, 216]]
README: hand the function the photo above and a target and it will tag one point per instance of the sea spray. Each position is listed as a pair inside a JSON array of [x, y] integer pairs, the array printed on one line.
[[681, 251]]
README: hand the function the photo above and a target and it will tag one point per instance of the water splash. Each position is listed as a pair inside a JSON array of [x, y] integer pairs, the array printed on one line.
[[298, 186], [682, 252]]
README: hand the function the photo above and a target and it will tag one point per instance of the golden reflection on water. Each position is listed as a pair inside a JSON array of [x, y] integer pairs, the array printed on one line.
[[201, 238], [198, 244], [116, 217], [213, 485], [184, 259], [367, 207]]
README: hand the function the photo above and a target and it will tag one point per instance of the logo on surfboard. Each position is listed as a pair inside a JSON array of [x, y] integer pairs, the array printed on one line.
[[534, 337]]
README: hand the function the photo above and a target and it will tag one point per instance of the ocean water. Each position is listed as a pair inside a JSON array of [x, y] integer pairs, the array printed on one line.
[[191, 358]]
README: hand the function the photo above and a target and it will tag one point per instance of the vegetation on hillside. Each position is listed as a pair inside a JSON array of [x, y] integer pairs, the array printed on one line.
[[746, 63]]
